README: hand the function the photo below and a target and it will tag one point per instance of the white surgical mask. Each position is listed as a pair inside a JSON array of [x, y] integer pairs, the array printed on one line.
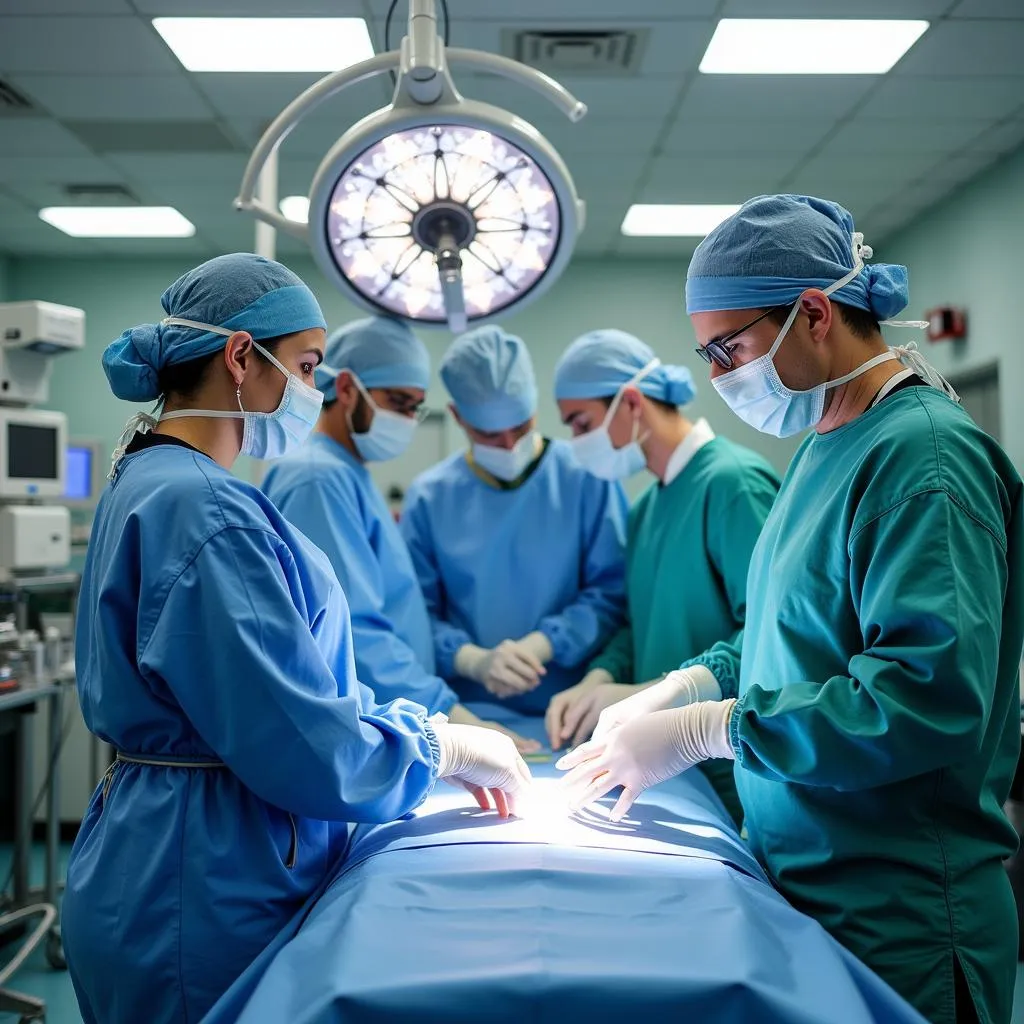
[[756, 393], [389, 434], [265, 435], [507, 464], [594, 450]]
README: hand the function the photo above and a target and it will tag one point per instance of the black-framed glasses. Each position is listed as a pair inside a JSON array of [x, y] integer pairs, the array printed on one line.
[[716, 351]]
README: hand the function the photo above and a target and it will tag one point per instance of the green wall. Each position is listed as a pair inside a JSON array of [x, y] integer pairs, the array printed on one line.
[[968, 252]]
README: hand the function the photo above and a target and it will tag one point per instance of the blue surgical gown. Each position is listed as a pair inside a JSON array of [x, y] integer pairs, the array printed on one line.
[[210, 629], [332, 499], [878, 727], [496, 563]]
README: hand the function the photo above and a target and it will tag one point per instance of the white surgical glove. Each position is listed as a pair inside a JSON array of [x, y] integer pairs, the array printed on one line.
[[570, 712], [677, 689], [484, 762], [459, 714], [646, 751], [505, 670]]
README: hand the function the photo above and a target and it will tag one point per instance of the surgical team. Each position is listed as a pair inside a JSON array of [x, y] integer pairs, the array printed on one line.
[[837, 651]]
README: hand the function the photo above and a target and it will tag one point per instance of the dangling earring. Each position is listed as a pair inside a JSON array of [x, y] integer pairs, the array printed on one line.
[[238, 396]]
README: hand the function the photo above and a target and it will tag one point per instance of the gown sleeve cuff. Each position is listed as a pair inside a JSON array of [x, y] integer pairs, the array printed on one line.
[[734, 729], [722, 667], [435, 748]]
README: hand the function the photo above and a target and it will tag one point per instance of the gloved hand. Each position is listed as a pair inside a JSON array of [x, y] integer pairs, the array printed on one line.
[[684, 686], [484, 762], [537, 644], [569, 710], [504, 671], [646, 751], [461, 715]]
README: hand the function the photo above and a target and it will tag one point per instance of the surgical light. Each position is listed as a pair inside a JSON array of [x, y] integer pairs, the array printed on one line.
[[436, 208]]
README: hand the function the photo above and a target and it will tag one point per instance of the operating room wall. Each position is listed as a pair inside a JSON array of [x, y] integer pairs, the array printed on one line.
[[4, 271], [644, 297], [967, 252]]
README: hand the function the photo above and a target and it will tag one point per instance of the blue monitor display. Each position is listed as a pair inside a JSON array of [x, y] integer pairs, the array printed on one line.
[[79, 474]]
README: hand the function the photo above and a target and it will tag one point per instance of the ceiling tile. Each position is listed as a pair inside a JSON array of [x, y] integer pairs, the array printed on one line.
[[199, 167], [677, 249], [865, 137], [1001, 138], [172, 137], [595, 137], [85, 169], [253, 8], [954, 48], [37, 194], [749, 97], [38, 137], [988, 9], [265, 96], [645, 97], [196, 247], [90, 7], [675, 179], [741, 137], [76, 45], [940, 98], [961, 168], [607, 10], [115, 97], [830, 169], [837, 8]]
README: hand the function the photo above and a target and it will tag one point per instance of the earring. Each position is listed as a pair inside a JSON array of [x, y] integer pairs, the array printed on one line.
[[238, 396]]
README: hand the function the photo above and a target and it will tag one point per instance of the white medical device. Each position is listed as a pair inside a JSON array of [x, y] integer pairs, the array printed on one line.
[[31, 333], [33, 457], [34, 536]]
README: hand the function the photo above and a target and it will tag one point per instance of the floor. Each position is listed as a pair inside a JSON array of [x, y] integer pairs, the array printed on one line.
[[36, 977]]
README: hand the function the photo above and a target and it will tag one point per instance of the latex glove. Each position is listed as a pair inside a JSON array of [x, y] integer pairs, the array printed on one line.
[[645, 751], [484, 762], [461, 715], [568, 709], [504, 671], [677, 689]]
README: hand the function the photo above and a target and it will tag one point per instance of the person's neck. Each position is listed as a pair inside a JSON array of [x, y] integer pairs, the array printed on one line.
[[848, 401], [221, 439], [336, 428], [666, 435]]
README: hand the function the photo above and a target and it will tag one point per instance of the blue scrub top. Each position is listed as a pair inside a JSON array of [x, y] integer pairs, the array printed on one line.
[[331, 497], [498, 563], [209, 629]]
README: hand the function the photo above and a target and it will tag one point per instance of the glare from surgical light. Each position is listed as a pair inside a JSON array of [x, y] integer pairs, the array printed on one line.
[[373, 209], [295, 208]]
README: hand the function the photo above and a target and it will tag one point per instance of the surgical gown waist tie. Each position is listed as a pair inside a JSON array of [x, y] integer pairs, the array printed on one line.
[[163, 761]]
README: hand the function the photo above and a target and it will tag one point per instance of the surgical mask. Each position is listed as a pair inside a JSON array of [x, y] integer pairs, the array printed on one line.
[[507, 464], [756, 393], [594, 450], [389, 434], [265, 435]]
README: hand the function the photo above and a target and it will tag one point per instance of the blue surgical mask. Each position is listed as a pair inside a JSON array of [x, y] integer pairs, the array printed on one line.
[[389, 435], [507, 464], [265, 435], [594, 450]]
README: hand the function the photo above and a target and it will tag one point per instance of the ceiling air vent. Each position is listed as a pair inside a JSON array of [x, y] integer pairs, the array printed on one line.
[[101, 195], [577, 52], [12, 102]]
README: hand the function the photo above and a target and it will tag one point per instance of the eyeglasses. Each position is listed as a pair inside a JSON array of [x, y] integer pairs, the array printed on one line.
[[401, 403], [716, 351]]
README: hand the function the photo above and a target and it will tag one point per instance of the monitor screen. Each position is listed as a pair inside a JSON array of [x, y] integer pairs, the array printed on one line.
[[78, 467], [32, 452]]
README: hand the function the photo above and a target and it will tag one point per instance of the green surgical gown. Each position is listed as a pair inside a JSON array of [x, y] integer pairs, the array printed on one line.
[[877, 727], [687, 554]]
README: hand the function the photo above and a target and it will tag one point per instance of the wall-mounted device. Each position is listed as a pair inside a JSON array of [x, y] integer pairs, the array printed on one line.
[[31, 333], [946, 322]]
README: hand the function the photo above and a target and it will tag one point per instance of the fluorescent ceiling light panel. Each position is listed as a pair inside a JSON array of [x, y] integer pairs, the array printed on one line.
[[118, 221], [660, 221], [805, 46], [266, 44], [295, 208]]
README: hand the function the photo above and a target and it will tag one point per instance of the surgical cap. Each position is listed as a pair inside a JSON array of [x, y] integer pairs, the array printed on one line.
[[598, 364], [775, 247], [380, 351], [240, 291], [489, 375]]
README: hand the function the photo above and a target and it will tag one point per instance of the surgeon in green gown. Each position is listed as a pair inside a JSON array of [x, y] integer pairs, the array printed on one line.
[[872, 704], [690, 534]]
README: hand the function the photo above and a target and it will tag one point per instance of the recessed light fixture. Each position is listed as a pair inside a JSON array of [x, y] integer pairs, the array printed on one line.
[[295, 208], [808, 46], [118, 221], [266, 44], [675, 220]]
